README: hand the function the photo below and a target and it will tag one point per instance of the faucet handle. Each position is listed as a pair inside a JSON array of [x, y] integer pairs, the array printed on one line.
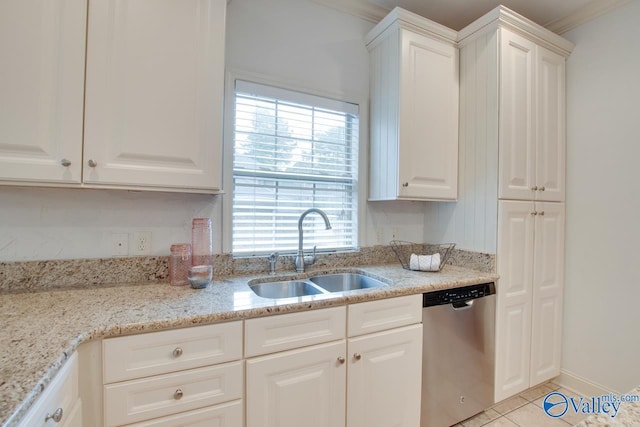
[[309, 260]]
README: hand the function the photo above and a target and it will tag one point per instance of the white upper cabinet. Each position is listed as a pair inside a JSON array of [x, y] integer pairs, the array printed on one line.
[[42, 46], [532, 120], [155, 72], [151, 109], [414, 109]]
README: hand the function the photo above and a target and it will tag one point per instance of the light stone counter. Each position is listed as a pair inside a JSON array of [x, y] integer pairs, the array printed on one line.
[[628, 416], [41, 330]]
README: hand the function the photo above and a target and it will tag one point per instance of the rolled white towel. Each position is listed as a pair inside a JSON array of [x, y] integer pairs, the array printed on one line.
[[425, 262]]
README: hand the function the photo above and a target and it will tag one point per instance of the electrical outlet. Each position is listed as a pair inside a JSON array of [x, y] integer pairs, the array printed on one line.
[[141, 243], [120, 244]]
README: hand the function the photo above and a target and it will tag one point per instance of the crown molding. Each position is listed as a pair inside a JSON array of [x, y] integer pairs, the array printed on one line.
[[583, 15], [401, 18], [504, 17], [361, 9]]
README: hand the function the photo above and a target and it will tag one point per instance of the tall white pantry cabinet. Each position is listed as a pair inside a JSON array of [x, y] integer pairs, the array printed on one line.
[[512, 186]]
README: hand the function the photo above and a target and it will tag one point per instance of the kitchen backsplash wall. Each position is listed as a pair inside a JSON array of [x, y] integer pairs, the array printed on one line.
[[82, 273]]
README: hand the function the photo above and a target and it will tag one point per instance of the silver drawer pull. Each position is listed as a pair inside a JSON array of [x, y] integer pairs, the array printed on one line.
[[534, 188], [542, 188], [65, 162], [406, 184], [357, 356], [177, 352], [56, 416], [341, 360], [178, 394], [92, 163]]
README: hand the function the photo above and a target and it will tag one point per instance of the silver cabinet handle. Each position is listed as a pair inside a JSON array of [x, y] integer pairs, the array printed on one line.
[[56, 416], [178, 394], [535, 188], [534, 213], [405, 184], [65, 162], [177, 352], [542, 188], [92, 163], [357, 356], [341, 360], [541, 213]]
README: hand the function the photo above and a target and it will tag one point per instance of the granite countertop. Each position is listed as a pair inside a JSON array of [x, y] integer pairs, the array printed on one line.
[[41, 330], [629, 415]]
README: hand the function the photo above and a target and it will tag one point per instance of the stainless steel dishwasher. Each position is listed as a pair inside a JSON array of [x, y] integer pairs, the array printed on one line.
[[458, 354]]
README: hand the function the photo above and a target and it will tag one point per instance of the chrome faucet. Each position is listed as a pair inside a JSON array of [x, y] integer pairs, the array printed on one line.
[[301, 262]]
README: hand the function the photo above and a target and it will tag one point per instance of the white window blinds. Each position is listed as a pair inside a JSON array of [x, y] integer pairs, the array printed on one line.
[[291, 152]]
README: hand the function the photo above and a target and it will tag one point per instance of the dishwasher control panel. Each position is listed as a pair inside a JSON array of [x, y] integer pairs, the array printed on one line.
[[466, 293]]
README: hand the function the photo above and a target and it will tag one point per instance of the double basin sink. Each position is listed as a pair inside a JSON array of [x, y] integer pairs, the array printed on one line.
[[315, 285]]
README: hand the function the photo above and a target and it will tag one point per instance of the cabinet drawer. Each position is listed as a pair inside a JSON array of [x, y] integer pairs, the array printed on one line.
[[375, 316], [224, 415], [143, 355], [61, 393], [284, 332], [146, 398]]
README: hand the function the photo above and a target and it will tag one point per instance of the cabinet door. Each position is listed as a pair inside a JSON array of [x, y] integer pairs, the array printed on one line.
[[303, 387], [548, 278], [155, 76], [551, 139], [517, 133], [74, 417], [513, 302], [385, 374], [61, 394], [428, 130], [42, 45]]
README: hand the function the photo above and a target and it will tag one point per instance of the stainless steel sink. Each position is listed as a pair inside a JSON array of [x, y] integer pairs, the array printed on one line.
[[285, 289], [345, 282], [320, 284]]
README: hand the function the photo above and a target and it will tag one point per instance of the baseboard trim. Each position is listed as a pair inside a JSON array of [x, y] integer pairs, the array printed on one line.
[[580, 385]]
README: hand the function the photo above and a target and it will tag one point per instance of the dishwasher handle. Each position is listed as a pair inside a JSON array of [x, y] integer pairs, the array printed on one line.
[[462, 305]]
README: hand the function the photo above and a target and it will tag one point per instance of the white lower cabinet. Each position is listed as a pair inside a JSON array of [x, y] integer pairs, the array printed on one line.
[[302, 387], [371, 379], [529, 298], [224, 415], [384, 383], [182, 377], [60, 404]]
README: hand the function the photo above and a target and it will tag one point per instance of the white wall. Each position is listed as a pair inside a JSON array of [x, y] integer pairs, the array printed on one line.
[[601, 319], [295, 41], [49, 223], [315, 48]]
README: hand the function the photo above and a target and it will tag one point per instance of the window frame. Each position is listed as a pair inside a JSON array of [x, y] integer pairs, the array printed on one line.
[[228, 131]]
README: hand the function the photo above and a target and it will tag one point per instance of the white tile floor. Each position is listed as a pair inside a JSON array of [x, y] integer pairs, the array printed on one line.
[[523, 410]]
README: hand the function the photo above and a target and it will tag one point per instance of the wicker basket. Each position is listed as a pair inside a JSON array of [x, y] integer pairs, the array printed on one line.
[[403, 251]]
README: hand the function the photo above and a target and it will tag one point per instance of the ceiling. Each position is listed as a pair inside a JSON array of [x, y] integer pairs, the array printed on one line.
[[457, 14], [557, 15]]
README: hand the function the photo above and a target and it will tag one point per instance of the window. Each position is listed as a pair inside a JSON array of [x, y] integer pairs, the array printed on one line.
[[291, 152]]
